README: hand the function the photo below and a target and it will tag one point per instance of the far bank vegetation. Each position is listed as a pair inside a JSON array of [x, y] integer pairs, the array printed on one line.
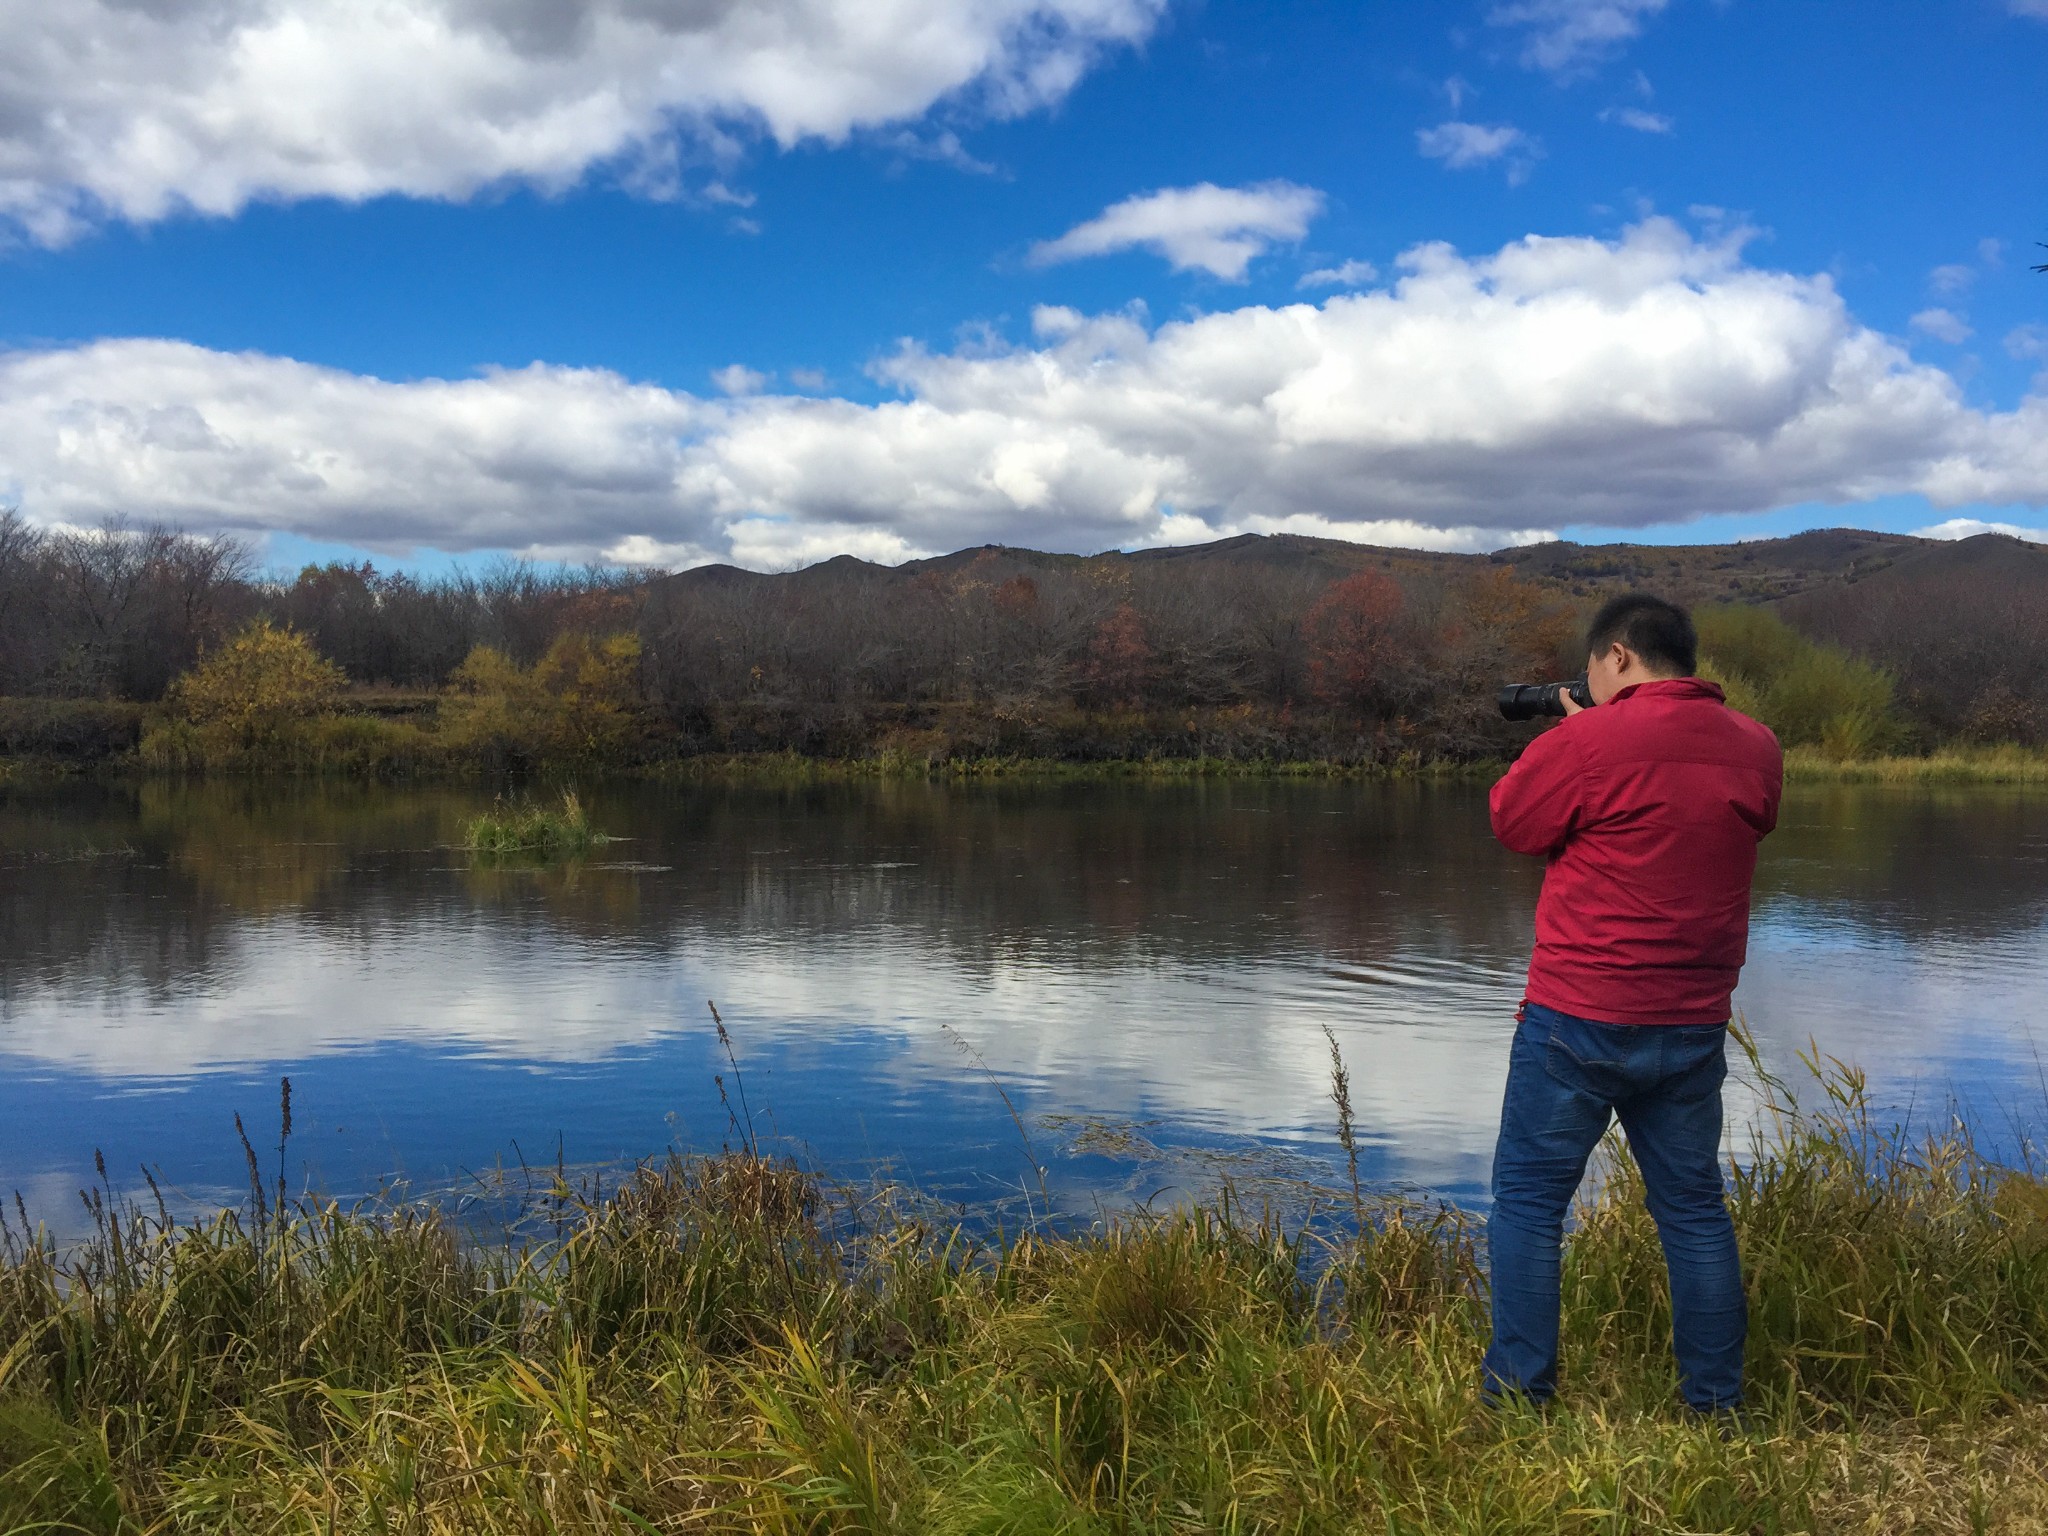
[[267, 701], [175, 651]]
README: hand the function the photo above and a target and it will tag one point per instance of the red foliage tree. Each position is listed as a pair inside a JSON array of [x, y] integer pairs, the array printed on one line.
[[1355, 644], [1017, 598], [1502, 625], [1119, 656]]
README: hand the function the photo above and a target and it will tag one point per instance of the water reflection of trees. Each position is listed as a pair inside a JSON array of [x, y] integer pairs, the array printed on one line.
[[140, 888], [1956, 865], [144, 889], [1096, 873]]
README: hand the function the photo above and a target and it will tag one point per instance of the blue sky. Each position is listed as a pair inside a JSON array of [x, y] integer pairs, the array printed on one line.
[[447, 277]]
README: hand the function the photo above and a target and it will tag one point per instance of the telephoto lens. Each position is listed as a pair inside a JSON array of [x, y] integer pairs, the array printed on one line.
[[1534, 701]]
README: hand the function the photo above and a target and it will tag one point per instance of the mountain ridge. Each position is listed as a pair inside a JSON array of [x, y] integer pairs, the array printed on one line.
[[1753, 571]]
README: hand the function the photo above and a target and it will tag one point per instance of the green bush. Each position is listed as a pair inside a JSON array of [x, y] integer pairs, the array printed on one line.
[[1810, 694], [268, 702]]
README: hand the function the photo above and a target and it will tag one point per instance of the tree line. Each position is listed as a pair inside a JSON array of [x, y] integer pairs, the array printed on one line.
[[121, 610], [991, 653], [1018, 652]]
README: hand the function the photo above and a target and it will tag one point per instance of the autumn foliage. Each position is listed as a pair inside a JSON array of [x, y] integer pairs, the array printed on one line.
[[1275, 647], [1281, 650], [1355, 642], [259, 684], [582, 699], [268, 702], [1118, 656]]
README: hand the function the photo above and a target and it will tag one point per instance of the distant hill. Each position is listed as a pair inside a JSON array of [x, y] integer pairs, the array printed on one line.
[[1760, 570]]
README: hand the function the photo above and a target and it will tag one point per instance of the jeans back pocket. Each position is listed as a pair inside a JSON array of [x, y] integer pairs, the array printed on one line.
[[1588, 1058]]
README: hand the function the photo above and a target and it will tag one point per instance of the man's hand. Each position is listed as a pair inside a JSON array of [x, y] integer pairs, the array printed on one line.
[[1571, 705]]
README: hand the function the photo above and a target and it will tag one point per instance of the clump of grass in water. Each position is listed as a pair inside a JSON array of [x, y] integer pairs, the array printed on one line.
[[548, 831], [711, 1344]]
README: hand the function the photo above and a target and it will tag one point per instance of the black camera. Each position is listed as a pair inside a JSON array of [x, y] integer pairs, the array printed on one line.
[[1532, 701]]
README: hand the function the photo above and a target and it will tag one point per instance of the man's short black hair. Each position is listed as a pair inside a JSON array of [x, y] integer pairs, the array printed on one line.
[[1659, 632]]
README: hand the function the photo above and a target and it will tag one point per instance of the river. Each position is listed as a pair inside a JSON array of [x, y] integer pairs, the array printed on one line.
[[1124, 985]]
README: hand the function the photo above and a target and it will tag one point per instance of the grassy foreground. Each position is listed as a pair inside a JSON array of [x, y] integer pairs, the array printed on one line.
[[713, 1346]]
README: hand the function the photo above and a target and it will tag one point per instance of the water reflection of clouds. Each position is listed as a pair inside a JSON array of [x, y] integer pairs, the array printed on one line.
[[292, 991], [1102, 965], [1230, 1050], [1236, 1051], [1944, 1019]]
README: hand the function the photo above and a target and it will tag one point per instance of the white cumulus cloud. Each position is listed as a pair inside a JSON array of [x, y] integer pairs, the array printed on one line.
[[1475, 400], [1943, 325], [2028, 342], [1952, 277], [739, 379], [1347, 274], [1463, 145], [1640, 120], [137, 108], [1568, 37], [243, 441], [1970, 527], [1216, 229]]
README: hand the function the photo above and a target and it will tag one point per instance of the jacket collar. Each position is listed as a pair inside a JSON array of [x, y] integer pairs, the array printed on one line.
[[1673, 688]]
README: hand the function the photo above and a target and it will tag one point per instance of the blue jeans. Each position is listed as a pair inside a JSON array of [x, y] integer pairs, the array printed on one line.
[[1565, 1076]]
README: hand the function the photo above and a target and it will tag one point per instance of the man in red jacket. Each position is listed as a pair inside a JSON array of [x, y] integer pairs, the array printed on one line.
[[1648, 810]]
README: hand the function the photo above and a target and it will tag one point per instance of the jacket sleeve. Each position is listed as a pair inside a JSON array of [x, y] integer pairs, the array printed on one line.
[[1775, 792], [1536, 804]]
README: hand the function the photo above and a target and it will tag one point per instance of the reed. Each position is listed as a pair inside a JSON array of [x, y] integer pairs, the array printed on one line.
[[525, 828], [721, 1344]]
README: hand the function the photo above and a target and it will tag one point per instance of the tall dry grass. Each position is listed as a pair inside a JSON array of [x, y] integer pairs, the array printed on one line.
[[715, 1345]]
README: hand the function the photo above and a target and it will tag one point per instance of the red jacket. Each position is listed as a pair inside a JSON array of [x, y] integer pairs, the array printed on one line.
[[1649, 809]]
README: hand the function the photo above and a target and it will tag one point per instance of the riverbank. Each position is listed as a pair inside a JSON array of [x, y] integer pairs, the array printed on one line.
[[793, 768], [2023, 766], [723, 1345], [2008, 766], [2011, 767]]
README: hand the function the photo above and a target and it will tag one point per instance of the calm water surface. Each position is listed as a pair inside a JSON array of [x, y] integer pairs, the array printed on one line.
[[1157, 959]]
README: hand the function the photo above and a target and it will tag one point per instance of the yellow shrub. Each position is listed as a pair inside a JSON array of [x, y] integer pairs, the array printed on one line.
[[582, 699], [256, 687], [487, 700]]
